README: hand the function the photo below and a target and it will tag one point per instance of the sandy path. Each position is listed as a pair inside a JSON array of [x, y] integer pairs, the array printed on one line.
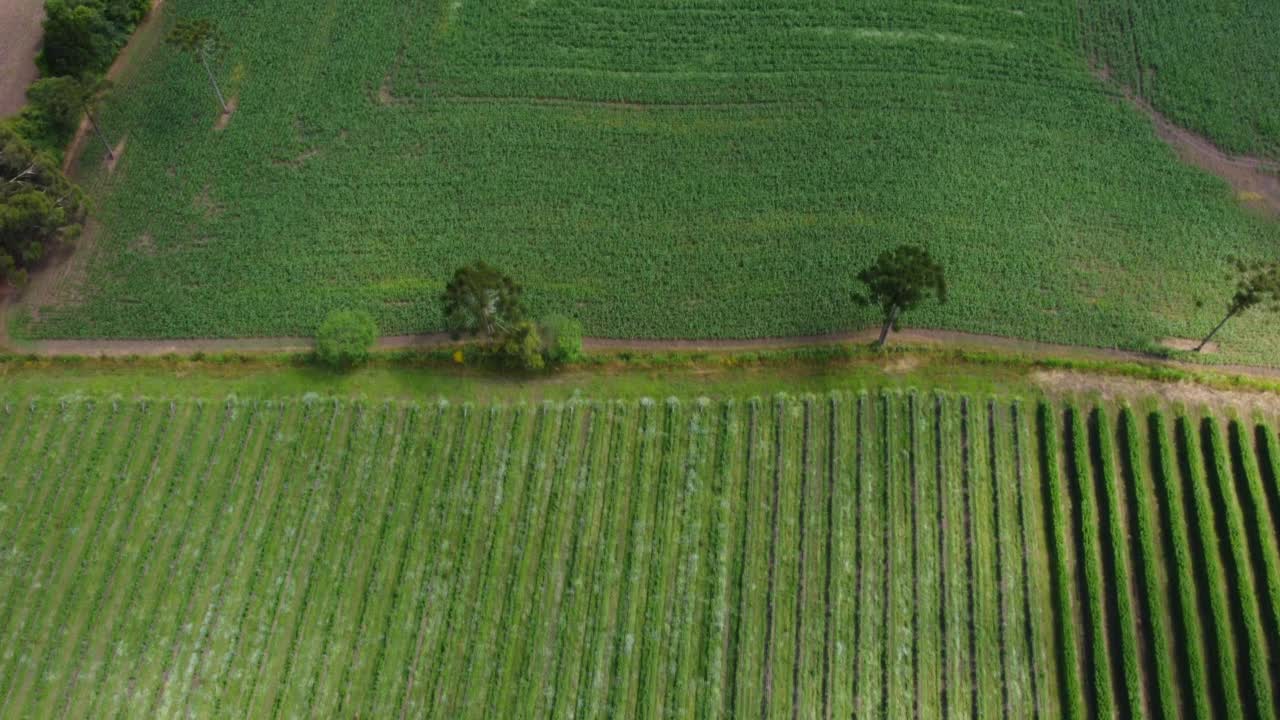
[[19, 42]]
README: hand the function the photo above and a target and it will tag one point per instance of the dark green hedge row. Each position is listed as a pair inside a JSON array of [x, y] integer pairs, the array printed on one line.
[[1120, 584], [1237, 543], [1058, 530], [1147, 531], [1095, 583], [1204, 528]]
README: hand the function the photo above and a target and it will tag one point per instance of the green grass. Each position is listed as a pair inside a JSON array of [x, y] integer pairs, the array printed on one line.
[[657, 169], [797, 555]]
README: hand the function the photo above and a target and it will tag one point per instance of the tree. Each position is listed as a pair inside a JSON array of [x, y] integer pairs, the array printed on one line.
[[77, 38], [1257, 283], [899, 280], [345, 338], [480, 300], [39, 207], [200, 39], [62, 100]]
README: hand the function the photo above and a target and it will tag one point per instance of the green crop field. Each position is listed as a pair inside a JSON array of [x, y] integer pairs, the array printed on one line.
[[657, 168], [887, 554], [1208, 65]]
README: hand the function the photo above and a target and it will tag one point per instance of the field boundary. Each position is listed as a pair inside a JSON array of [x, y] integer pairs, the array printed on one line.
[[904, 339]]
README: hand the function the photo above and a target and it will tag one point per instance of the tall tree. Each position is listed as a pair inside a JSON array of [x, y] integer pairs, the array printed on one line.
[[899, 280], [1257, 283], [63, 100], [481, 300], [201, 39], [39, 207]]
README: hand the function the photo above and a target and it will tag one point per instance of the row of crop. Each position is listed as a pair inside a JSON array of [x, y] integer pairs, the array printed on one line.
[[715, 615], [32, 551], [900, 626], [604, 693], [234, 554], [871, 602], [177, 598], [57, 631], [281, 481], [105, 580], [1149, 559], [929, 638], [845, 465], [533, 654], [1239, 572], [195, 519], [318, 642], [86, 507], [748, 643], [458, 648], [378, 585], [295, 680], [439, 483], [597, 622], [426, 568], [350, 621], [1210, 568], [26, 542], [986, 582], [435, 615], [152, 562], [278, 667], [961, 673], [590, 546], [685, 636]]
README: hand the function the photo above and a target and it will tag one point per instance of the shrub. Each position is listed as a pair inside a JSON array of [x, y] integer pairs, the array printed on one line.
[[39, 207], [561, 339], [345, 338], [521, 347]]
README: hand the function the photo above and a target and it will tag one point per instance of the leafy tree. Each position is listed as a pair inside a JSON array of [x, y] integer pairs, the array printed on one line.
[[62, 100], [345, 338], [562, 338], [77, 38], [480, 300], [1257, 283], [899, 280], [39, 207], [200, 39]]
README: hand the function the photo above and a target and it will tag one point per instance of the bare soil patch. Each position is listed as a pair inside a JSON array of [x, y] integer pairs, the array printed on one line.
[[1188, 345], [224, 118], [1256, 181], [20, 37], [116, 153], [1109, 387]]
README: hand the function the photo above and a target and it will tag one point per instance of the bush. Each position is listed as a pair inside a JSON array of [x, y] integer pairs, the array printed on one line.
[[39, 207], [345, 338], [521, 347], [77, 38], [561, 339]]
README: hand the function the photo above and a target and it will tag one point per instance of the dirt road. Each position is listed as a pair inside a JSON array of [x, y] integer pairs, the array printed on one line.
[[19, 43]]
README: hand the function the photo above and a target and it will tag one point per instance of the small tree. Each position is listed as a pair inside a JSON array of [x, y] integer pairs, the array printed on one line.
[[345, 338], [480, 300], [562, 338], [899, 280], [1258, 282], [200, 39]]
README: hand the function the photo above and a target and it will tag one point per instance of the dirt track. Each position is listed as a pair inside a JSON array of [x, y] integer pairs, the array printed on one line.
[[19, 43]]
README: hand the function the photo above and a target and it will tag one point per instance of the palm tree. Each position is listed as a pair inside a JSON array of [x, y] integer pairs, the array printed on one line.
[[200, 38]]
